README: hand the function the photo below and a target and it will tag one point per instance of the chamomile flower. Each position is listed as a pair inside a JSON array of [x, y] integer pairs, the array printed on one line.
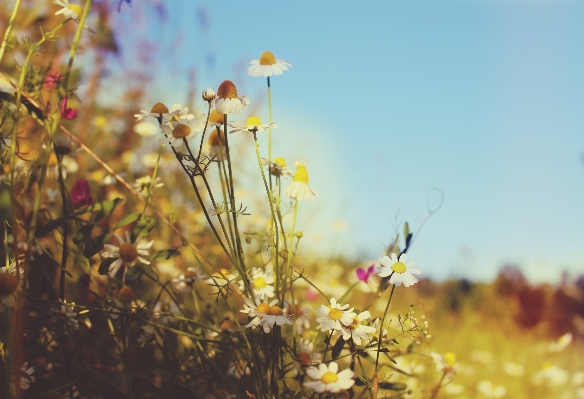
[[357, 330], [227, 100], [267, 65], [67, 314], [215, 118], [335, 316], [72, 11], [176, 113], [300, 315], [400, 271], [147, 184], [328, 378], [217, 145], [175, 134], [26, 377], [446, 363], [9, 285], [277, 167], [265, 314], [209, 95], [490, 390], [261, 282], [299, 188], [158, 111], [305, 355], [253, 125], [127, 253], [186, 281]]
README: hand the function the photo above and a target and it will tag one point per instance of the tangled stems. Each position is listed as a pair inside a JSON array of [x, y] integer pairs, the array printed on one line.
[[380, 340]]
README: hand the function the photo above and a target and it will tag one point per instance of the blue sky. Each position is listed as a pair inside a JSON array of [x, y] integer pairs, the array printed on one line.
[[387, 101]]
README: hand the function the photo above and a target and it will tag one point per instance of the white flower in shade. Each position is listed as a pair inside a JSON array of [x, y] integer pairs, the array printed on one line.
[[357, 330], [299, 188], [146, 129], [328, 379], [277, 167], [227, 100], [253, 125], [127, 253], [9, 285], [67, 314], [186, 281], [26, 377], [514, 369], [267, 65], [305, 356], [400, 271], [72, 11], [176, 134], [74, 393], [446, 363], [146, 183], [217, 145], [146, 336], [300, 316], [209, 95], [158, 111], [490, 390], [261, 282], [265, 314], [239, 368], [551, 375], [561, 343], [335, 316]]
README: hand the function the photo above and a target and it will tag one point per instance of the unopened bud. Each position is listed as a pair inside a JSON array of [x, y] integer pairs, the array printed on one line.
[[125, 295], [209, 95]]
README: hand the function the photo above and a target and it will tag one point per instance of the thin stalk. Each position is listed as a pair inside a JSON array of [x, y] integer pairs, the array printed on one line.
[[149, 194], [9, 29], [269, 120], [221, 168], [381, 329], [289, 260], [65, 251]]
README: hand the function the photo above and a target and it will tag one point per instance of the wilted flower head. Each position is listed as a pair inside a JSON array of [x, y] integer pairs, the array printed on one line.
[[227, 100], [267, 65]]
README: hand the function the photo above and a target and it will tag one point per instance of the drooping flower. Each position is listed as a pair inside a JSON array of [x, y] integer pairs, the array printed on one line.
[[81, 194], [335, 316], [305, 355], [67, 113], [267, 65], [72, 11], [67, 314], [215, 118], [158, 111], [328, 379], [299, 188], [127, 253], [277, 167], [175, 134], [357, 330], [146, 183], [446, 363], [227, 100], [400, 271], [26, 377], [253, 125], [186, 280]]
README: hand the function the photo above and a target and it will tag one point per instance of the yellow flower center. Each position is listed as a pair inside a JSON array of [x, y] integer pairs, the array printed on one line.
[[8, 284], [191, 274], [128, 252], [125, 295], [263, 308], [76, 8], [450, 358], [214, 138], [301, 175], [253, 121], [398, 267], [267, 58], [329, 377], [216, 117], [159, 108], [303, 358], [281, 161], [354, 324], [259, 283], [275, 311], [181, 131], [227, 90], [335, 314]]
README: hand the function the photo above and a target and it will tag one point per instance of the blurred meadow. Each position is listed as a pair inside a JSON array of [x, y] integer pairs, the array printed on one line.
[[174, 227]]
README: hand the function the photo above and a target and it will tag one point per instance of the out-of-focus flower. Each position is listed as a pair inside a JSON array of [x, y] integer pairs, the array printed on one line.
[[305, 355], [26, 377], [81, 194], [215, 118], [146, 129], [300, 316], [217, 144], [67, 314], [277, 167], [52, 80], [67, 113], [253, 125], [265, 314], [176, 113], [550, 374], [239, 368], [70, 393], [267, 65], [335, 316], [146, 336], [454, 389], [328, 379], [491, 390], [209, 95], [299, 188], [127, 253], [363, 275], [176, 134], [261, 282], [9, 285], [561, 343], [158, 111], [227, 100], [147, 184], [65, 145], [401, 272], [186, 281], [514, 369], [357, 330], [446, 363], [578, 378], [72, 11]]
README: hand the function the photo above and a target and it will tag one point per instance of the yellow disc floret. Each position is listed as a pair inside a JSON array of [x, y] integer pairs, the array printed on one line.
[[227, 90], [301, 175], [181, 131], [253, 121], [335, 314], [259, 283], [128, 252], [275, 311], [281, 161], [263, 308], [450, 358], [159, 108], [329, 377], [267, 58], [76, 8], [398, 267]]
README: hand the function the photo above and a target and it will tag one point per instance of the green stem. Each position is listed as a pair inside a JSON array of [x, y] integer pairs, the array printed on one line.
[[9, 29], [65, 227], [289, 259], [270, 121], [381, 329]]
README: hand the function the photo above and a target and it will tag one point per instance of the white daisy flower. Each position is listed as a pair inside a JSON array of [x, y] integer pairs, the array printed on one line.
[[67, 314], [300, 316], [26, 377], [261, 282], [9, 285], [158, 111], [265, 314], [400, 271], [267, 65], [176, 113], [227, 100], [335, 316], [253, 125], [179, 131], [328, 379], [490, 390], [186, 281], [305, 355], [146, 183], [551, 375], [357, 330], [146, 129], [446, 363], [127, 253], [299, 188], [72, 11], [277, 167]]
